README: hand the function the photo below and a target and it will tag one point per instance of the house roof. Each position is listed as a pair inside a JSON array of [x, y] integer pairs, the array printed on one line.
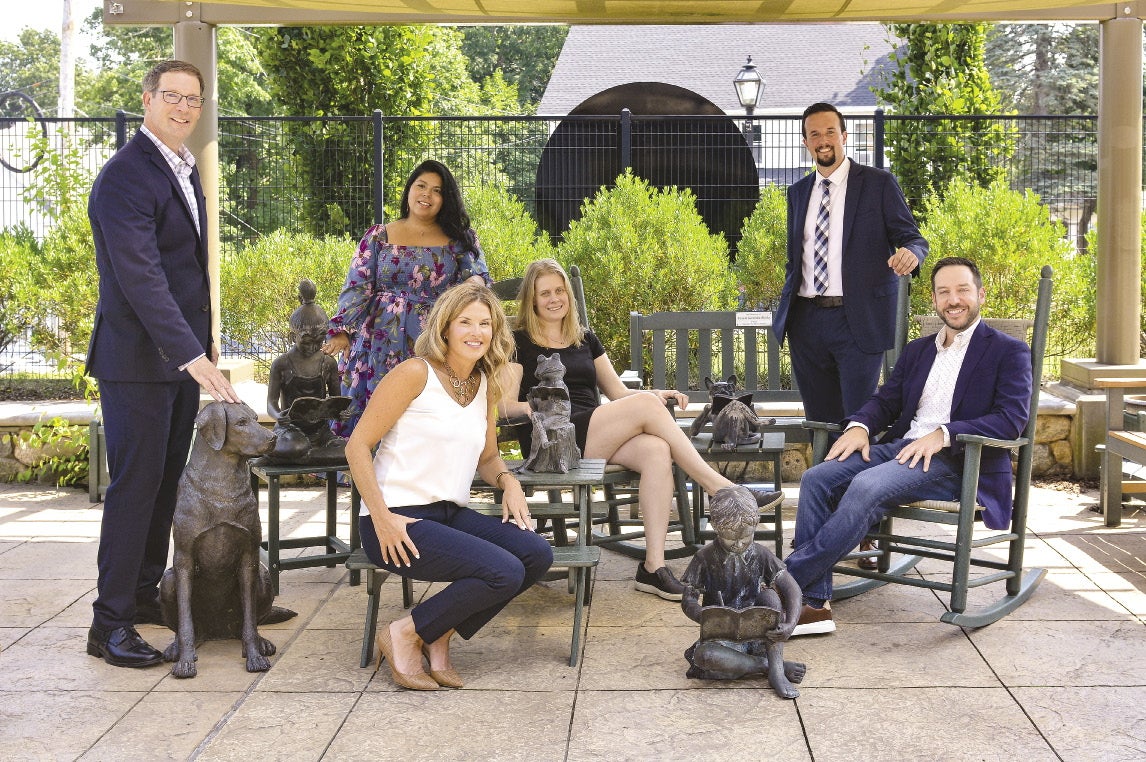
[[704, 59]]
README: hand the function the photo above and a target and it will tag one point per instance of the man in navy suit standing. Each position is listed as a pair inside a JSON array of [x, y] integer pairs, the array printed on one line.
[[850, 234], [966, 379], [151, 350]]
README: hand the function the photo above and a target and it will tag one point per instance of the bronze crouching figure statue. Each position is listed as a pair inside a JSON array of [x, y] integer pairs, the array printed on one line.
[[744, 599]]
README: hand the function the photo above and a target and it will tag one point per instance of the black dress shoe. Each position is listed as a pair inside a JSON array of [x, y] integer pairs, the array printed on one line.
[[122, 647], [764, 497]]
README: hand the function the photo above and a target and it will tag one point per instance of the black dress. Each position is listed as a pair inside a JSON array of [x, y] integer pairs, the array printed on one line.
[[580, 377]]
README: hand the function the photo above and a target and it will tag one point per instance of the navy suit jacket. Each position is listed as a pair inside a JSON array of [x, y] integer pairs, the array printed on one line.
[[992, 399], [154, 310], [876, 223]]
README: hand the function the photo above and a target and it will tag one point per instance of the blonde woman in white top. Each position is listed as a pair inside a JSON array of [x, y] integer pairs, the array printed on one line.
[[432, 421]]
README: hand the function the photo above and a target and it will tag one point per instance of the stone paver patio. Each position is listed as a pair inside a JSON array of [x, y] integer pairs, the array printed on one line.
[[1063, 678]]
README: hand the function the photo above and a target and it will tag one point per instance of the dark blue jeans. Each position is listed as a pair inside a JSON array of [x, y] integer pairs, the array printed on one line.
[[841, 500], [488, 564]]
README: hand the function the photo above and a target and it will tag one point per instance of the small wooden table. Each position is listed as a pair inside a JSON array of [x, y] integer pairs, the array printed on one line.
[[337, 550]]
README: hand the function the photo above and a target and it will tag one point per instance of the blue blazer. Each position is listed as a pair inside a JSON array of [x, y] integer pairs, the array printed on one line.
[[154, 310], [992, 399], [876, 223]]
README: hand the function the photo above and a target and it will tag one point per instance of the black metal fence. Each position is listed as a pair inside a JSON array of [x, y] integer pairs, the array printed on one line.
[[337, 175]]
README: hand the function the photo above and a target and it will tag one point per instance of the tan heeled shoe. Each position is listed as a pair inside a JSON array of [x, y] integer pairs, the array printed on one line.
[[447, 678], [416, 681]]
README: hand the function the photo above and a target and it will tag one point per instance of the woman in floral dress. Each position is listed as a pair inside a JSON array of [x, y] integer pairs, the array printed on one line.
[[398, 273]]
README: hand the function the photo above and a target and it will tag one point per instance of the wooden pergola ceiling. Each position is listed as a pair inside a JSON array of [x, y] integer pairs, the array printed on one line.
[[278, 12]]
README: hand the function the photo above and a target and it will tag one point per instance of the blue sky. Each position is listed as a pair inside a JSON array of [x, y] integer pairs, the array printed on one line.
[[43, 14]]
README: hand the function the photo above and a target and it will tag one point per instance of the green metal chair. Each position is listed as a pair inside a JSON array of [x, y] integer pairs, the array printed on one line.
[[962, 552]]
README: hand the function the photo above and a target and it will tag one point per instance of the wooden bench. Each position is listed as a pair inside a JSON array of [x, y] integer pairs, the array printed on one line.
[[678, 350]]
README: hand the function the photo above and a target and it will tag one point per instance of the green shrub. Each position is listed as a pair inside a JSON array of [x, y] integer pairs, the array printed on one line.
[[644, 249], [18, 250], [1010, 236], [259, 288], [65, 447], [763, 250], [67, 285], [509, 236], [59, 280]]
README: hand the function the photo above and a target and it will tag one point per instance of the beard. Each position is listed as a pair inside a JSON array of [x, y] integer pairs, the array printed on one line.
[[826, 160], [969, 317]]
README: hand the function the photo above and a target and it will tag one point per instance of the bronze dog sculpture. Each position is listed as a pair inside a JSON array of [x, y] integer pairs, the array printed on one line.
[[216, 588]]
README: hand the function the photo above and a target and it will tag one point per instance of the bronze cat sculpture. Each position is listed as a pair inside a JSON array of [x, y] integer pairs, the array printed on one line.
[[734, 423]]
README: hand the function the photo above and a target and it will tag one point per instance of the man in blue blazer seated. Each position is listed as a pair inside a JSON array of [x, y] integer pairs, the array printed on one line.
[[848, 241], [966, 379], [151, 349]]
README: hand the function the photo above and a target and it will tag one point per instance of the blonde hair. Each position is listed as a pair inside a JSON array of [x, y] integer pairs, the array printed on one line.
[[572, 331], [432, 343]]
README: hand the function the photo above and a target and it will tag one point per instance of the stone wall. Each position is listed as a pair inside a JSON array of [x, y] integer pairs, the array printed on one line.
[[1053, 442]]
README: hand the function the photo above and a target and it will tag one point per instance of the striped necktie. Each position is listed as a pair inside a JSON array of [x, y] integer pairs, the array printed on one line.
[[823, 222]]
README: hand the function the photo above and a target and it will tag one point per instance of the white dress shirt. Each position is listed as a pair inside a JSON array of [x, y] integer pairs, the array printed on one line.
[[839, 190], [934, 411]]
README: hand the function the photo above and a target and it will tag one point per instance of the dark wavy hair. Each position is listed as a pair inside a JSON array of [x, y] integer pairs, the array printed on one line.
[[452, 218]]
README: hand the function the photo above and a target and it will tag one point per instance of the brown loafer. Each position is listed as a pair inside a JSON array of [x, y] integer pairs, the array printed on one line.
[[868, 564]]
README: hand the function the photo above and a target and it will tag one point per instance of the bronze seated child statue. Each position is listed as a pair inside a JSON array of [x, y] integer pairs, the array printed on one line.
[[553, 447], [303, 392], [744, 599]]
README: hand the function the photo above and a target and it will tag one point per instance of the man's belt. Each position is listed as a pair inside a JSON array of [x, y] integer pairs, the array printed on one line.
[[825, 301]]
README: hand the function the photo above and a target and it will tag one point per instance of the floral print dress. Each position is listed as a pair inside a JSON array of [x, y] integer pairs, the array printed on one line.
[[388, 293]]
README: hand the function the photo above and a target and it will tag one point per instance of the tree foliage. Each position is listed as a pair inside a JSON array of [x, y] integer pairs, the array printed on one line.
[[1052, 69], [509, 236], [648, 249], [338, 71], [1044, 68], [1010, 236], [942, 71], [525, 56], [32, 66]]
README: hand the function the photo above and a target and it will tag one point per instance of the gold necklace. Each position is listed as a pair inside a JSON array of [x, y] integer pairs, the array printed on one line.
[[463, 389]]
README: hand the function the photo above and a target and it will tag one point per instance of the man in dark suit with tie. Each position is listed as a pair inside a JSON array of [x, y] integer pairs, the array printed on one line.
[[847, 243], [151, 349], [966, 379]]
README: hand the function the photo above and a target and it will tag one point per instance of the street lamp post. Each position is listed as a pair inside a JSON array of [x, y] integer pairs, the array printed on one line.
[[749, 84]]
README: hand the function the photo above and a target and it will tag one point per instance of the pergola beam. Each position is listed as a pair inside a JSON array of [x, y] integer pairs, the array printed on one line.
[[367, 12]]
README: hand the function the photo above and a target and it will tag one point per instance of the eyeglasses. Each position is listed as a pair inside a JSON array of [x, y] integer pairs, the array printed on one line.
[[172, 97]]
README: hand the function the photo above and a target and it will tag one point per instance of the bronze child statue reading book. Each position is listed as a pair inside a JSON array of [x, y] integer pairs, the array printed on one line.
[[744, 599]]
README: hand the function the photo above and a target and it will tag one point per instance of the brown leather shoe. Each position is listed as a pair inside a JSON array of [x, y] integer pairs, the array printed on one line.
[[815, 621], [869, 564]]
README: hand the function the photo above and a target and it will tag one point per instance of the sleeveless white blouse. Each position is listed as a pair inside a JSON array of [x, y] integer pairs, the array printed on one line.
[[432, 451]]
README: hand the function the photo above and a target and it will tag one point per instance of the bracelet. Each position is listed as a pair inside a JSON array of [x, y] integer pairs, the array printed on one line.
[[497, 479]]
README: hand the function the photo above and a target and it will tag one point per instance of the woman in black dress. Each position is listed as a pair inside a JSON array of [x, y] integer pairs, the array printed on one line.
[[633, 429]]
